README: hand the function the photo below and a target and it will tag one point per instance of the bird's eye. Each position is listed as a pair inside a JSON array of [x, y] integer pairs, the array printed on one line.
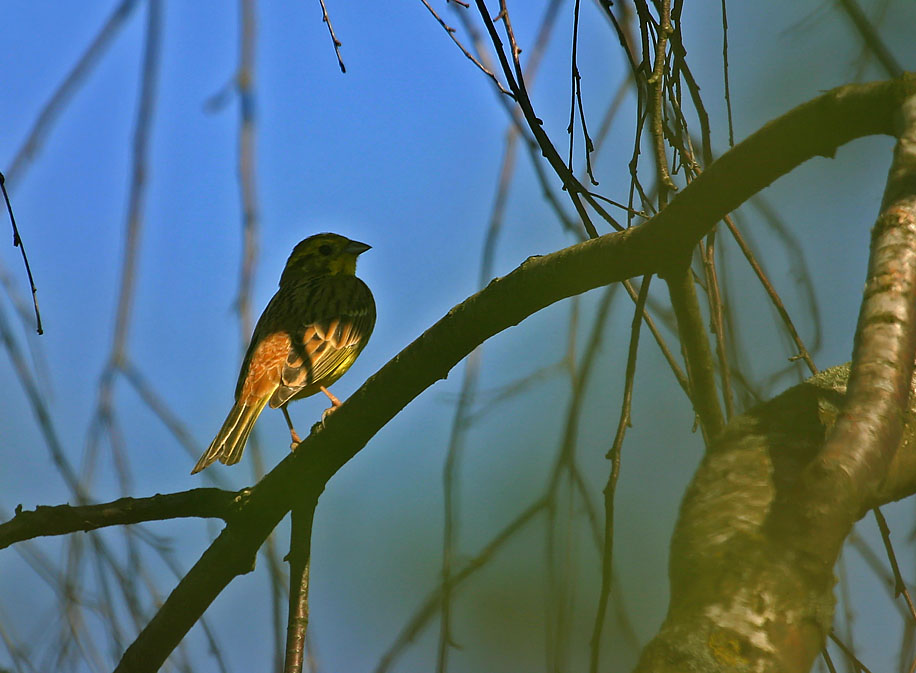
[[325, 250]]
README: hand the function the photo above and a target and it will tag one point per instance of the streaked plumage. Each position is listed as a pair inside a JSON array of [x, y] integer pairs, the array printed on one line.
[[308, 336]]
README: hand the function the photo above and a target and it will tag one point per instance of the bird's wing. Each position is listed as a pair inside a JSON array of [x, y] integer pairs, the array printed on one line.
[[325, 346], [264, 362]]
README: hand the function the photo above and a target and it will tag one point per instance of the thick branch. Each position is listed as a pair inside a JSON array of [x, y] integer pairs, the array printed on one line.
[[741, 599], [815, 128], [863, 442], [63, 519]]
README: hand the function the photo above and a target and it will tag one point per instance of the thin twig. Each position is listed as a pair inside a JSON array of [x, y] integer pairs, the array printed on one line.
[[337, 43], [828, 661], [660, 340], [899, 584], [577, 105], [450, 494], [849, 653], [17, 242], [607, 557], [717, 320], [531, 145], [728, 98], [566, 464], [656, 87], [431, 605], [451, 33], [516, 83], [802, 352], [246, 166]]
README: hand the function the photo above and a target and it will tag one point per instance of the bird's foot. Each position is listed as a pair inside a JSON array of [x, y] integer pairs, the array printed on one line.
[[327, 412]]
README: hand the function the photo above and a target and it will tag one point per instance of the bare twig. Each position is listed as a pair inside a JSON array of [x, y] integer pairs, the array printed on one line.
[[337, 43], [607, 556], [828, 661], [714, 298], [432, 603], [656, 87], [17, 242], [473, 59], [802, 352], [576, 104], [899, 584], [849, 653], [533, 149], [516, 83], [728, 98], [660, 340], [558, 590]]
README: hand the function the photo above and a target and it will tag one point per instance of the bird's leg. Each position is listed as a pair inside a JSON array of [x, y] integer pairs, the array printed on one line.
[[334, 403], [331, 397], [292, 431]]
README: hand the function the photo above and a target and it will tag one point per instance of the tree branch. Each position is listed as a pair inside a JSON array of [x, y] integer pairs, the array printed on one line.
[[300, 552], [863, 442], [815, 128], [63, 519], [737, 595]]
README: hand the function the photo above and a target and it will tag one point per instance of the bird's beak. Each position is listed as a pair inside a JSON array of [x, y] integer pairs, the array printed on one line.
[[356, 248]]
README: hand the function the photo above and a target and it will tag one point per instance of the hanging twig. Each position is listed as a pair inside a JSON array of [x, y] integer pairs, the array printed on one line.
[[17, 242], [337, 43], [728, 98], [607, 557]]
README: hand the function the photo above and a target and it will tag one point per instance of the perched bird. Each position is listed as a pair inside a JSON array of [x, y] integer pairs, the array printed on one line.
[[310, 333]]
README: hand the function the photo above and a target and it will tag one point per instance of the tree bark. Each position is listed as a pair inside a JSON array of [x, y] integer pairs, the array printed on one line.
[[743, 598]]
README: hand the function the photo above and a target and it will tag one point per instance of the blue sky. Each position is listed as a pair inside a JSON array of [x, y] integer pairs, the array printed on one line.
[[401, 152]]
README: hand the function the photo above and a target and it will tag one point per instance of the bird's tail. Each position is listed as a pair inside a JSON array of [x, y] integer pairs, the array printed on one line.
[[229, 442]]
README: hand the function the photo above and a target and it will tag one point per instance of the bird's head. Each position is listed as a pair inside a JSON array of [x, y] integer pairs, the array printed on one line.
[[322, 255]]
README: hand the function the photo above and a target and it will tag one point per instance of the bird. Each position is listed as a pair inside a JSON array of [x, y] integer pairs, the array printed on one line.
[[311, 331]]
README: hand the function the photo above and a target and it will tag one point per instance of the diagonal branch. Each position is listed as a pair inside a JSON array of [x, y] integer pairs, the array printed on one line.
[[815, 128], [68, 87]]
